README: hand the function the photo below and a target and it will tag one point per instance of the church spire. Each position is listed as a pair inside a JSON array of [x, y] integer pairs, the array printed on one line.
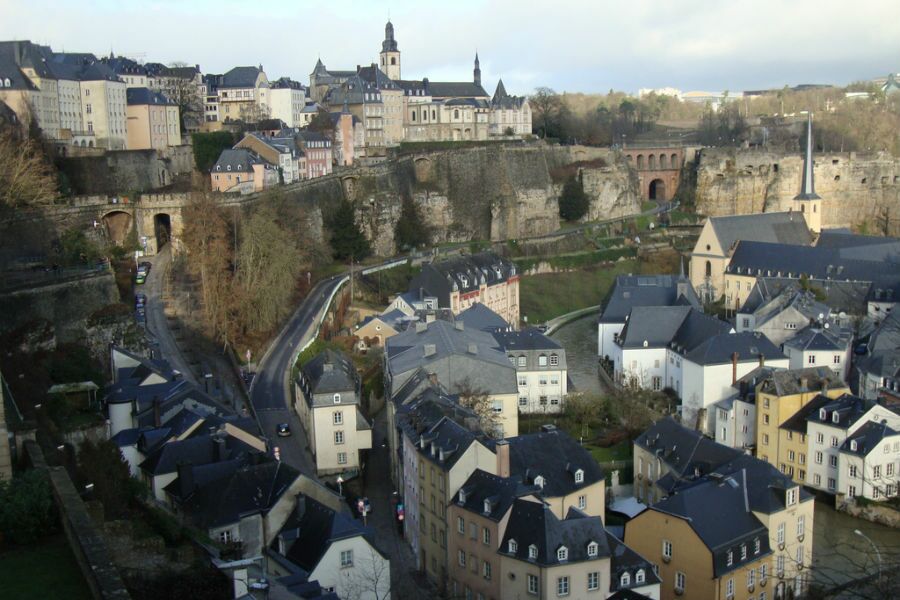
[[808, 188], [477, 71]]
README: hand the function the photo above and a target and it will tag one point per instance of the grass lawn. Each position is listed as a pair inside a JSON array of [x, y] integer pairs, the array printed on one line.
[[620, 451], [543, 297], [46, 570], [648, 205]]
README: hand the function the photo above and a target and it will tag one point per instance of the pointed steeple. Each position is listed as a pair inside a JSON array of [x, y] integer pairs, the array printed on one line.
[[808, 188], [501, 90], [389, 44], [477, 71]]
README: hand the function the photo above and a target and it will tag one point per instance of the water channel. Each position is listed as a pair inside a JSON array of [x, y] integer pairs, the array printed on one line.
[[839, 554]]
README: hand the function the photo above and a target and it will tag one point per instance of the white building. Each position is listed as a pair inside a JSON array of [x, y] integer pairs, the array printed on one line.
[[287, 101], [822, 346], [541, 370], [869, 461]]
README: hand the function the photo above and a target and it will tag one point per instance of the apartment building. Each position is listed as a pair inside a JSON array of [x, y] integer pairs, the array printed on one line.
[[541, 369], [152, 120]]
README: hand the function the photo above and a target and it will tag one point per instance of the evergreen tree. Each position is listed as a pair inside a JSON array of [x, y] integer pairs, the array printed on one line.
[[573, 202], [347, 239], [411, 231]]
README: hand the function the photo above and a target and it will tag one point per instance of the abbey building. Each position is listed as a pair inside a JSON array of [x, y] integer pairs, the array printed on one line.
[[394, 110]]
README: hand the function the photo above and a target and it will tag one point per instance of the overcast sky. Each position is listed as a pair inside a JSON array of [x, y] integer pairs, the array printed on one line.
[[576, 46]]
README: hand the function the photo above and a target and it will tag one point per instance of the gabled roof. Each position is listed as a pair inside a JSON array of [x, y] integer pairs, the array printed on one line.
[[867, 438], [847, 296], [330, 372], [240, 77], [683, 328], [463, 274], [630, 291], [525, 339], [848, 408], [553, 455], [458, 89], [480, 317], [200, 450], [753, 258], [794, 381], [724, 348], [139, 96], [815, 338], [534, 524], [240, 160], [498, 492], [775, 227], [625, 560]]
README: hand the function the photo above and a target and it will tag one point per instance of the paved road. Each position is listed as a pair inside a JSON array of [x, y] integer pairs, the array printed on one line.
[[270, 393], [157, 323]]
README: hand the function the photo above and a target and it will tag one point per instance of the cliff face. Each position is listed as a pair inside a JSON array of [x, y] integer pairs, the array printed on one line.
[[857, 191], [482, 193]]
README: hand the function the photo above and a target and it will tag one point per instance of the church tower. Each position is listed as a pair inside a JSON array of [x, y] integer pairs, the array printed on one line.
[[477, 72], [390, 56], [807, 201]]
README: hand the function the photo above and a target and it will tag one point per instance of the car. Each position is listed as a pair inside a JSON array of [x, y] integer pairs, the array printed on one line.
[[141, 318], [140, 278], [140, 300], [861, 349], [146, 265], [284, 430]]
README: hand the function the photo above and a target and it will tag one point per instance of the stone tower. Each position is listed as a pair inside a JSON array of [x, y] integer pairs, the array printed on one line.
[[807, 201], [390, 55], [477, 71]]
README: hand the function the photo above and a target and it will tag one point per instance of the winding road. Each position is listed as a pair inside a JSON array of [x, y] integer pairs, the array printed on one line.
[[157, 323]]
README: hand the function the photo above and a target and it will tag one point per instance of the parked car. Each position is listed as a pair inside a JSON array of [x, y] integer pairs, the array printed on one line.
[[141, 318], [140, 278], [140, 300], [284, 430], [146, 265]]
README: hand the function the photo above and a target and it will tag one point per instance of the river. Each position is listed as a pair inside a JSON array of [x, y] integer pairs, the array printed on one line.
[[838, 553]]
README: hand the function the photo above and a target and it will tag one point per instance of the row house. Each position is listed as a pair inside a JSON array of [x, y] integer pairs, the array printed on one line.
[[152, 120], [287, 99], [240, 170], [541, 369]]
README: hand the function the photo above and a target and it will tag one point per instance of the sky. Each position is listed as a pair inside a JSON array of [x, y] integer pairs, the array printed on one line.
[[575, 46]]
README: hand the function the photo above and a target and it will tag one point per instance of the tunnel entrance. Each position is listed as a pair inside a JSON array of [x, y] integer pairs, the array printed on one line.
[[162, 228], [658, 190], [118, 225]]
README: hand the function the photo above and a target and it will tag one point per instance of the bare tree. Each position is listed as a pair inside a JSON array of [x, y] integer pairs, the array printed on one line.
[[368, 579], [185, 93], [583, 409], [479, 401], [26, 178]]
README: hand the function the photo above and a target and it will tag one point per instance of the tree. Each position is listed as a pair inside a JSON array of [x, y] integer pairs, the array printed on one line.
[[573, 202], [27, 512], [479, 401], [251, 112], [411, 231], [347, 239], [545, 106], [323, 124], [185, 93], [26, 178], [208, 147], [583, 409], [101, 464], [370, 579]]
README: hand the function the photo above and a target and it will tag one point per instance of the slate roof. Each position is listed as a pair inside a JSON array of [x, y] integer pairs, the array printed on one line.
[[240, 160], [446, 442], [839, 238], [815, 339], [139, 96], [500, 492], [200, 450], [533, 523], [240, 77], [81, 66], [846, 296], [330, 372], [630, 291], [456, 89], [416, 417], [464, 274], [722, 348], [555, 456], [623, 559], [719, 513], [247, 490], [790, 381], [503, 101], [460, 354], [686, 452], [525, 339], [848, 407], [776, 227], [22, 54], [867, 438], [480, 317], [797, 421], [790, 297], [782, 259], [314, 528]]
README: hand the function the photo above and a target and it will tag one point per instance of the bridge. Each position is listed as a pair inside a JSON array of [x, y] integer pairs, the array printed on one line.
[[658, 169]]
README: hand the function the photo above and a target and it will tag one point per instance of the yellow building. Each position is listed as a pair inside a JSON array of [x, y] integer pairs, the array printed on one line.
[[779, 396], [152, 120]]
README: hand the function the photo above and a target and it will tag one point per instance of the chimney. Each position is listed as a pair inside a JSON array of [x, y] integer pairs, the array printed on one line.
[[548, 428], [762, 360], [157, 416], [429, 317], [433, 379], [421, 327], [734, 359], [804, 383], [459, 325], [185, 480], [429, 350], [503, 458], [473, 349], [221, 450]]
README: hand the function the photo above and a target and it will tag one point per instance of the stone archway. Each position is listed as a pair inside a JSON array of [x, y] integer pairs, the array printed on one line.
[[118, 225], [657, 190], [162, 229]]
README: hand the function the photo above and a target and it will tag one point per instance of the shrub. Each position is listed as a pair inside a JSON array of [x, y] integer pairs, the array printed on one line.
[[208, 147], [573, 202], [27, 512]]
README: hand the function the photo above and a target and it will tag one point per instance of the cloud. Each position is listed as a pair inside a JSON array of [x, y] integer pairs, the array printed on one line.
[[586, 46]]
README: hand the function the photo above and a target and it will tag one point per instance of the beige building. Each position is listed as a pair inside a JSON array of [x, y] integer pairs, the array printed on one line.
[[328, 402], [152, 120], [240, 170], [241, 94], [287, 99]]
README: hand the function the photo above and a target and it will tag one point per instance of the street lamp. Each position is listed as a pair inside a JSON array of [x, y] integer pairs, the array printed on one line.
[[874, 547]]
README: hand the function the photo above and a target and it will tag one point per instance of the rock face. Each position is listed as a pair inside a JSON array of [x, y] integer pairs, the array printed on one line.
[[857, 191], [496, 192]]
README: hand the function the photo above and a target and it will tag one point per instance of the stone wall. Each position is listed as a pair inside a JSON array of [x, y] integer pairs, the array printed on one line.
[[66, 306], [126, 171], [857, 191]]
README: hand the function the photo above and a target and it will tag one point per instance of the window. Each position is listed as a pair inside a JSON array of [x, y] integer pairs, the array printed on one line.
[[730, 558], [800, 556], [667, 549], [792, 456], [338, 437], [832, 461], [461, 558], [532, 584], [811, 359], [780, 534], [346, 558], [765, 439], [562, 554], [523, 400], [582, 502], [831, 483], [338, 418], [486, 536], [680, 581], [729, 588], [523, 382], [342, 458], [818, 457], [513, 546], [579, 476], [554, 360], [461, 525], [532, 551], [743, 551], [876, 471], [337, 398], [852, 470], [765, 419], [751, 579], [889, 469], [486, 570], [562, 586], [225, 537], [521, 360], [837, 359], [820, 438], [834, 441], [791, 496], [801, 525], [639, 577], [593, 582], [625, 579], [779, 564], [473, 531], [542, 360]]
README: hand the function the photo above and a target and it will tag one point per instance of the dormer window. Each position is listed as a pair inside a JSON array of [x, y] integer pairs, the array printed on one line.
[[592, 550], [730, 558], [791, 497], [756, 546], [532, 551], [853, 445], [513, 546], [823, 414], [625, 579], [539, 481], [462, 496], [640, 576], [835, 417], [229, 167], [579, 476], [337, 398], [487, 506], [743, 551], [562, 554]]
